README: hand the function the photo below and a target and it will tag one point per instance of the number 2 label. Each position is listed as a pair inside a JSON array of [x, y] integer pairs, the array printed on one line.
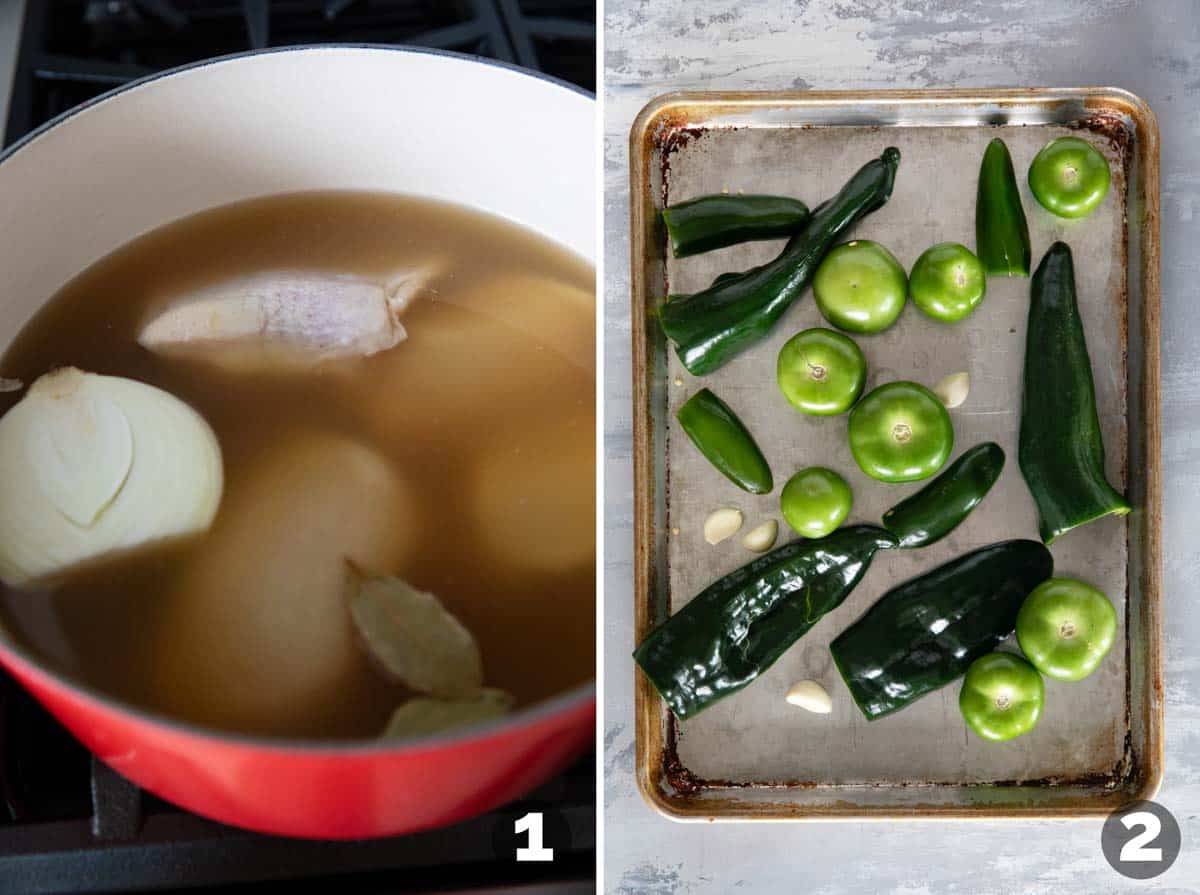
[[1134, 849], [531, 823]]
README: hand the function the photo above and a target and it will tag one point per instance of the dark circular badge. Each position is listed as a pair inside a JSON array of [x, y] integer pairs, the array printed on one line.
[[1141, 840]]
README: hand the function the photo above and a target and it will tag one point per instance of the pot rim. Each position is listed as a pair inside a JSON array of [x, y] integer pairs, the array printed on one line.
[[565, 701], [452, 55], [11, 649]]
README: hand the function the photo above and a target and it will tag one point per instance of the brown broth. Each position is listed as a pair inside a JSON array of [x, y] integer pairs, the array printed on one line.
[[466, 397]]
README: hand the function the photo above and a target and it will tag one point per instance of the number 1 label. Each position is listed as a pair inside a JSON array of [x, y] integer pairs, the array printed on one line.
[[531, 823]]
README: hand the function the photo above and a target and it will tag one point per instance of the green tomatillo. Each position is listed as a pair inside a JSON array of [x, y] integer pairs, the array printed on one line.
[[860, 287], [815, 501], [1069, 177], [1066, 628], [947, 282], [821, 372], [900, 432], [1001, 697]]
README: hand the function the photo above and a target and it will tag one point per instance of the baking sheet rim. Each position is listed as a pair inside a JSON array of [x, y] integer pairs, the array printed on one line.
[[648, 707]]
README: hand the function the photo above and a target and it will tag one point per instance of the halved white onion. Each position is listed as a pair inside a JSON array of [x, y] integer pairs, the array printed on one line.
[[92, 465]]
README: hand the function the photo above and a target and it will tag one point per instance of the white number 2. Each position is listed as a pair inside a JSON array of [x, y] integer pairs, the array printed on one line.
[[1134, 849], [531, 823]]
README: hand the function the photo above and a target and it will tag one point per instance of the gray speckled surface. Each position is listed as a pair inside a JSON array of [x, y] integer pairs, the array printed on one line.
[[1150, 48]]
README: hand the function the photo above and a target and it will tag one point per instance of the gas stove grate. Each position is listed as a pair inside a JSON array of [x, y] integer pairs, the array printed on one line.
[[68, 823], [74, 50]]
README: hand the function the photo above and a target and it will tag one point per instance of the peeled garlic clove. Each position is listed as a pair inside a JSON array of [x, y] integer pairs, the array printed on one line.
[[953, 389], [317, 316], [92, 465], [811, 696], [415, 639], [420, 717], [10, 385], [722, 524], [762, 537]]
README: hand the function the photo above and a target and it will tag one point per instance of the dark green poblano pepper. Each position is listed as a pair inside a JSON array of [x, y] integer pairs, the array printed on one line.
[[710, 327], [925, 633], [1061, 449], [737, 627]]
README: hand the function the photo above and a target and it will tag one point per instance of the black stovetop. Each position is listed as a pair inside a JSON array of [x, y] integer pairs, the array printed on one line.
[[73, 50], [68, 823]]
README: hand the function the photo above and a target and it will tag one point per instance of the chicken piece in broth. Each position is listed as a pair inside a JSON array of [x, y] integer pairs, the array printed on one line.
[[285, 318]]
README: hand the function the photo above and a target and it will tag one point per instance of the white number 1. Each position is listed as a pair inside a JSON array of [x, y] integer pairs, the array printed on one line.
[[531, 823], [1133, 850]]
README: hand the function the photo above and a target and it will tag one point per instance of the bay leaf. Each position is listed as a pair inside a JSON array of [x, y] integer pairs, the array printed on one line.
[[422, 716], [415, 640]]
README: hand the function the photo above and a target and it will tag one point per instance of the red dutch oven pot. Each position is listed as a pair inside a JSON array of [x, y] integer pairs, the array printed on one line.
[[377, 118]]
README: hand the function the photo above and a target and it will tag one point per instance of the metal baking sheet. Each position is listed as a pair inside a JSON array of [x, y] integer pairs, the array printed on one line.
[[752, 755]]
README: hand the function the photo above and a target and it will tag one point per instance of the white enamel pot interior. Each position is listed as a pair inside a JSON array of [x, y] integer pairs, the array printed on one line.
[[423, 123]]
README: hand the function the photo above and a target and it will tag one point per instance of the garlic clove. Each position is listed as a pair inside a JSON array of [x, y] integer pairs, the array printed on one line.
[[762, 537], [810, 696], [722, 524], [953, 389]]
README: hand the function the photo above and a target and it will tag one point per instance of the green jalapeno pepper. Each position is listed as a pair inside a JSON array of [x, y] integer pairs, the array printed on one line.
[[713, 222], [938, 508], [721, 437], [1001, 232]]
